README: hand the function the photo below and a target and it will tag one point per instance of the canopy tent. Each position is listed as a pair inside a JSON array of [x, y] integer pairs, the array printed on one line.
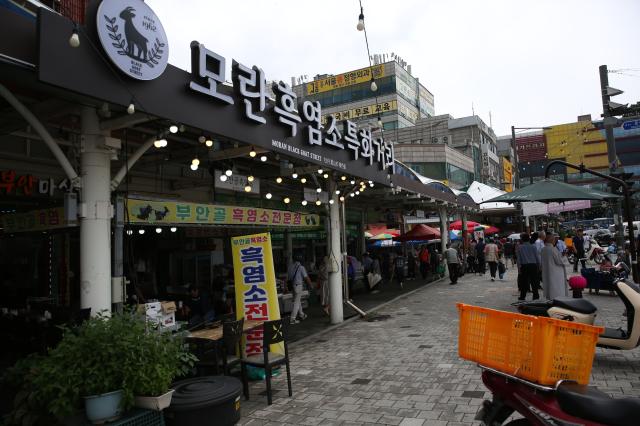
[[481, 193], [420, 233], [549, 190], [457, 225]]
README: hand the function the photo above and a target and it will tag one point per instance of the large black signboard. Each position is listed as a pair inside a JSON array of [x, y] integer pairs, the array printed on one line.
[[200, 99]]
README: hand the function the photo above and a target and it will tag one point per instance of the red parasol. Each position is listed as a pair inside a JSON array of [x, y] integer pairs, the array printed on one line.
[[457, 225], [490, 230], [420, 232]]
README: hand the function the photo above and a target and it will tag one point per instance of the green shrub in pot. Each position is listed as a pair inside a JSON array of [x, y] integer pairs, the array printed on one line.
[[104, 354]]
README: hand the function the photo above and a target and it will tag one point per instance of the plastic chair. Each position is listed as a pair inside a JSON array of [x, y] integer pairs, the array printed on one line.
[[230, 345], [273, 332]]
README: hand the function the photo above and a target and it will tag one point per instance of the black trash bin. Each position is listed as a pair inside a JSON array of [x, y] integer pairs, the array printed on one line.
[[209, 400]]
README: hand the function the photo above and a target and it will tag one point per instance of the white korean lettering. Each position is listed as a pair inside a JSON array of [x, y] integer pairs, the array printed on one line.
[[366, 145], [207, 77], [251, 85], [286, 106], [311, 111], [333, 134], [350, 132]]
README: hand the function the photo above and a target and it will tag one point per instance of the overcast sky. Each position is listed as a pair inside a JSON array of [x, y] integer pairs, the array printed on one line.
[[529, 63]]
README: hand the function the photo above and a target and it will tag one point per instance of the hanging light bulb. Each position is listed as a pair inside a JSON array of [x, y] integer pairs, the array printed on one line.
[[173, 229], [228, 172], [320, 171], [352, 182], [173, 128], [318, 190], [337, 192], [379, 121], [304, 202], [326, 175], [371, 185], [343, 177], [129, 231], [278, 179], [342, 199], [352, 195], [374, 86], [158, 230], [357, 192], [208, 143], [194, 167], [360, 25], [223, 178], [201, 139], [370, 182], [74, 40], [247, 188], [263, 158], [286, 200], [252, 153], [294, 176], [318, 202], [303, 180], [141, 231], [250, 178], [131, 109], [331, 201], [195, 161], [160, 143], [268, 195]]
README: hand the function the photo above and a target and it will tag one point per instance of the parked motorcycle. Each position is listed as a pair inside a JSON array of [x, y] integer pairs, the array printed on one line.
[[566, 404], [595, 253], [583, 311]]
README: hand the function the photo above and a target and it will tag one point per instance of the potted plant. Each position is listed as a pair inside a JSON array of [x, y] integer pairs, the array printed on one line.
[[165, 358], [103, 363]]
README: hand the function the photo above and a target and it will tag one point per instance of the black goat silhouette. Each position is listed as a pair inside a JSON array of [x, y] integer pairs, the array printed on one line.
[[160, 214], [145, 212], [134, 38]]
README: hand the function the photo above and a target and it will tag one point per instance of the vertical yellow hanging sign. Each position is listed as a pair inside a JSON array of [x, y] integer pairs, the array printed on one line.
[[255, 285]]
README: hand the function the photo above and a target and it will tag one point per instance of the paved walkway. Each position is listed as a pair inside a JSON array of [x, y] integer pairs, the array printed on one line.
[[405, 370]]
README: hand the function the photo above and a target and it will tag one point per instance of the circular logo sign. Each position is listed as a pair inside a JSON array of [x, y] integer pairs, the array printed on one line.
[[133, 37]]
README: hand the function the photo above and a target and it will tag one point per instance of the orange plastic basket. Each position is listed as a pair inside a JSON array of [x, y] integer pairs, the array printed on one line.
[[542, 350]]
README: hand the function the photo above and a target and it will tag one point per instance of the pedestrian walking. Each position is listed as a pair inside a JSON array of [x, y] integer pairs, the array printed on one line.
[[411, 259], [423, 258], [528, 267], [398, 268], [554, 274], [482, 266], [297, 274], [491, 255], [578, 246], [471, 257], [453, 263], [509, 251]]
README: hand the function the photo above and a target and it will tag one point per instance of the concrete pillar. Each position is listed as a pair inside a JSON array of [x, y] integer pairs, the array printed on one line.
[[464, 233], [527, 227], [95, 217], [117, 281], [335, 257]]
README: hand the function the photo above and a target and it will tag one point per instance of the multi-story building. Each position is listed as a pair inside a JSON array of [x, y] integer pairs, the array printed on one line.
[[507, 163], [580, 142], [399, 101], [456, 150]]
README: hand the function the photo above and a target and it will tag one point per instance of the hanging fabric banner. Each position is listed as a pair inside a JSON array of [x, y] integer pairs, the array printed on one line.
[[255, 285], [177, 213]]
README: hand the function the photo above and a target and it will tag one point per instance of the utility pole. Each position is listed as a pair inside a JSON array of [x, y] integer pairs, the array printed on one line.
[[609, 122]]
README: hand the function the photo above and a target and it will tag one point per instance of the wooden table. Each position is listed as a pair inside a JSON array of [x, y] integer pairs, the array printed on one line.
[[215, 333]]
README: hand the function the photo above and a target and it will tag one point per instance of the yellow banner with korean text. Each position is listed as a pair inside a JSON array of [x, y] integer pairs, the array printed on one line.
[[363, 111], [176, 213], [255, 285], [35, 220], [346, 79]]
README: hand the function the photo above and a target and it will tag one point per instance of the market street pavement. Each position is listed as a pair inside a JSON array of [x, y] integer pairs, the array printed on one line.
[[405, 370]]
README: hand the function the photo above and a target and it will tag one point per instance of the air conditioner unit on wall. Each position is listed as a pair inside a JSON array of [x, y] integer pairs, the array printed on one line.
[[446, 139]]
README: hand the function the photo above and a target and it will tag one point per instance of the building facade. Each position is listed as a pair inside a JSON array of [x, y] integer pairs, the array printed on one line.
[[399, 101]]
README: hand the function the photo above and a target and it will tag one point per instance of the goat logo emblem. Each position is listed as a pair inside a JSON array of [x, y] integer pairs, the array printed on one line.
[[133, 38]]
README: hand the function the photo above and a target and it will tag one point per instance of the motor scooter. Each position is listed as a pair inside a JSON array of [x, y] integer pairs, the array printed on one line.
[[566, 404], [595, 253], [583, 311]]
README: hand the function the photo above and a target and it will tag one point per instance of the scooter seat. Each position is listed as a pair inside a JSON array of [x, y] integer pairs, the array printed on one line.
[[582, 306], [589, 403]]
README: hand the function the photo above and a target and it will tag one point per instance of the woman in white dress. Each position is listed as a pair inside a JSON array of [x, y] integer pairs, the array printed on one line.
[[554, 274]]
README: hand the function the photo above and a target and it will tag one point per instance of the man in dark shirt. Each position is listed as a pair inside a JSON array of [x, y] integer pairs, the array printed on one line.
[[578, 246], [198, 307], [480, 256], [528, 267]]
